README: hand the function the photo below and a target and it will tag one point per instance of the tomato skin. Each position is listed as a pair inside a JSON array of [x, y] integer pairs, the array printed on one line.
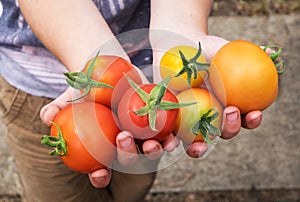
[[110, 70], [189, 115], [139, 125], [71, 123], [243, 75], [171, 64]]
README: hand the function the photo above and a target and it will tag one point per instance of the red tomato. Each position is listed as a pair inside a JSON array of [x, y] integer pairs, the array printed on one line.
[[109, 70], [140, 125], [199, 122], [86, 134], [243, 75]]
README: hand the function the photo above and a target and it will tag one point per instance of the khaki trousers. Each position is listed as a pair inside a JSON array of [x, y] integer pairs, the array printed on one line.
[[44, 177]]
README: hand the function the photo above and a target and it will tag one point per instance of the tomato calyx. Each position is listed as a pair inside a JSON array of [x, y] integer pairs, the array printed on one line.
[[81, 80], [204, 127], [58, 143], [191, 67], [275, 57], [153, 101]]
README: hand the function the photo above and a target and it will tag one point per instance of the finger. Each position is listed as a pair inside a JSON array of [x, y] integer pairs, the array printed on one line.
[[170, 143], [127, 152], [211, 45], [152, 149], [100, 178], [48, 112], [252, 120], [268, 50], [196, 149], [231, 122]]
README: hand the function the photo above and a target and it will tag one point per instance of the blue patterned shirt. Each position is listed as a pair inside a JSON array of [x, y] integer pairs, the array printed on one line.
[[27, 65]]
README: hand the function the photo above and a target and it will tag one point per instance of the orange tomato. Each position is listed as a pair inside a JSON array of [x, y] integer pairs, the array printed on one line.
[[196, 123], [242, 74]]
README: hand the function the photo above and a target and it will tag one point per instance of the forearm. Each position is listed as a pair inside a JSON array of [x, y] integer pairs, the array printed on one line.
[[179, 22], [180, 17], [71, 30]]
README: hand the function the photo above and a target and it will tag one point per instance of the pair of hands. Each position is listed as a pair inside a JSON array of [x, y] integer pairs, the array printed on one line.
[[153, 150]]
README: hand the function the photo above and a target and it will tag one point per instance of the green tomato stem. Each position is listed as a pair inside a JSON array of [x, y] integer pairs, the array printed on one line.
[[154, 101], [81, 80], [204, 127], [57, 143], [192, 67], [275, 57]]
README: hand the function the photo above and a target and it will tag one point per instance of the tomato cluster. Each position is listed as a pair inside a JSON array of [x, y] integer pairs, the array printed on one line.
[[83, 133], [113, 98], [241, 74], [189, 69]]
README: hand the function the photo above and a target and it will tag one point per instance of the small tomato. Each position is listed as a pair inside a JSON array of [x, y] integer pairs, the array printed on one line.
[[186, 65], [83, 135], [100, 76], [201, 121], [149, 111]]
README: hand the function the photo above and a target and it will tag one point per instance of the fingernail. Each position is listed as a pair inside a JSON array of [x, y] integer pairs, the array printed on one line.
[[124, 140], [257, 119], [99, 176], [232, 116], [100, 179], [152, 149], [200, 151]]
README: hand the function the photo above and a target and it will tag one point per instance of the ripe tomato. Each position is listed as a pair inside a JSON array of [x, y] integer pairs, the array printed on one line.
[[186, 65], [243, 75], [199, 122], [83, 135], [149, 111], [109, 70]]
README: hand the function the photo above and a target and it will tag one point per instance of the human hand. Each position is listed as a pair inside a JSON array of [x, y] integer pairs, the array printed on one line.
[[232, 118]]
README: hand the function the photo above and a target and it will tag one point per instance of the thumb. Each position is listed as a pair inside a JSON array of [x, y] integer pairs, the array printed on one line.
[[211, 45], [127, 152], [100, 178], [49, 111]]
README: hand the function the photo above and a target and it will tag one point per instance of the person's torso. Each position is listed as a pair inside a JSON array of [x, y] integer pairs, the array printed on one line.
[[22, 55]]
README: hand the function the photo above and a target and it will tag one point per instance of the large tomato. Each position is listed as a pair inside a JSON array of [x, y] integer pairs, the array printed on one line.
[[83, 135], [186, 65], [243, 75], [100, 77], [199, 122], [149, 111]]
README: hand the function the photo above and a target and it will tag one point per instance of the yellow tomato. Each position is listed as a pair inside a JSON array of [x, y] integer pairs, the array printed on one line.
[[183, 63]]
